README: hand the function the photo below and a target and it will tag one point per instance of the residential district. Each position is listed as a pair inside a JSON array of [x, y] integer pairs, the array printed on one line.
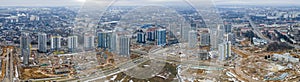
[[150, 44]]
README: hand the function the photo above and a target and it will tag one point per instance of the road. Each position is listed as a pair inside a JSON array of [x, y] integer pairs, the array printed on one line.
[[237, 68], [117, 69], [239, 71], [256, 30], [120, 68], [259, 34], [8, 72], [133, 63]]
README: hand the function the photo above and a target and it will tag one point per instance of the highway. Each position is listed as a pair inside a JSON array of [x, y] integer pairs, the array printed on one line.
[[119, 68], [137, 61], [98, 73], [237, 68], [256, 30], [239, 71], [124, 66], [240, 60], [8, 65], [259, 34]]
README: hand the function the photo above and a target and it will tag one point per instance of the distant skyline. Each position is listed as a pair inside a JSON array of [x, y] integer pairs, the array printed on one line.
[[134, 2]]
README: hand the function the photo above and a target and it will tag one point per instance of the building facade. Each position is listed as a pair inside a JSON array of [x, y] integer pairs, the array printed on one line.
[[228, 28], [104, 39], [161, 37], [224, 50], [204, 39], [56, 43], [193, 39], [141, 37], [25, 47], [72, 43], [42, 42], [89, 42], [124, 46]]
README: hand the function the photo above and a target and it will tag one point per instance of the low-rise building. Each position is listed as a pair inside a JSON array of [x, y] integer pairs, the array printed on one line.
[[258, 42], [286, 57]]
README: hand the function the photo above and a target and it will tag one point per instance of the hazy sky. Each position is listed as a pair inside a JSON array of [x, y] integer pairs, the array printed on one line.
[[128, 2]]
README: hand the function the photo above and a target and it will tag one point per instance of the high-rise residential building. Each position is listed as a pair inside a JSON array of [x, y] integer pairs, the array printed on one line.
[[114, 42], [124, 46], [193, 39], [104, 39], [151, 34], [216, 37], [141, 36], [204, 39], [42, 42], [161, 37], [231, 37], [228, 49], [173, 29], [184, 32], [213, 38], [55, 42], [221, 34], [25, 47], [72, 43], [89, 41], [228, 28], [224, 50]]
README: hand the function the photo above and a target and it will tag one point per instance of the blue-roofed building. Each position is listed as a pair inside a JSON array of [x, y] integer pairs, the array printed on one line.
[[141, 36], [151, 34], [161, 37]]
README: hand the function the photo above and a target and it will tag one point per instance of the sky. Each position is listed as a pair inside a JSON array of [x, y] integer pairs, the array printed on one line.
[[129, 2]]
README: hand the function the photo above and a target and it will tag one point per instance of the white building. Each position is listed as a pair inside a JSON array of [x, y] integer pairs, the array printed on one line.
[[216, 36], [124, 46], [55, 42], [184, 32], [258, 42], [193, 39], [213, 54], [42, 42], [224, 50], [89, 41], [114, 42], [72, 43], [286, 57], [220, 33]]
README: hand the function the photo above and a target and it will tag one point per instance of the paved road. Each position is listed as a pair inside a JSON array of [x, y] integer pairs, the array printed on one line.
[[256, 30], [120, 68], [259, 34], [137, 61], [9, 66], [239, 71]]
